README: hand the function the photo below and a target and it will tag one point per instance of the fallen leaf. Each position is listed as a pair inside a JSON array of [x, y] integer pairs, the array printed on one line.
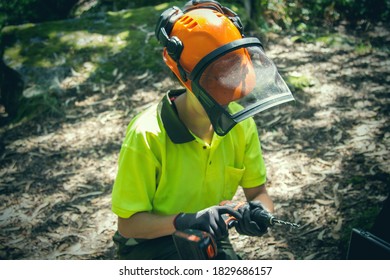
[[324, 202], [320, 236], [311, 256]]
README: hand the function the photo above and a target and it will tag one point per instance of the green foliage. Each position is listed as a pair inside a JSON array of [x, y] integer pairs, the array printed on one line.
[[355, 10], [38, 105], [293, 13], [126, 4], [265, 13], [88, 50], [99, 6], [93, 46], [363, 48], [23, 11], [299, 81]]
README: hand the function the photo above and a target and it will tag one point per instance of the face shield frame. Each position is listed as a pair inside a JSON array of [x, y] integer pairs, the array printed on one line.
[[220, 116]]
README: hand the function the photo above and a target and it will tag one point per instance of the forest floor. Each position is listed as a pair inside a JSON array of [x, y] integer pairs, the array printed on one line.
[[327, 155]]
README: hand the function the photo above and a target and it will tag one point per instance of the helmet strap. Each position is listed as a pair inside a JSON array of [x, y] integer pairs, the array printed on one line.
[[183, 73]]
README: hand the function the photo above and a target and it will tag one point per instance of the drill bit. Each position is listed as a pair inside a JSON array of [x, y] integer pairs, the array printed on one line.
[[281, 222]]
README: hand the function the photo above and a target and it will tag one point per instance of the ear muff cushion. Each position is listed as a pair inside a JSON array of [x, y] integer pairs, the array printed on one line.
[[174, 47]]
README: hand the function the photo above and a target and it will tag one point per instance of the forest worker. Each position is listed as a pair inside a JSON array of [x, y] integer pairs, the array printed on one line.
[[181, 158]]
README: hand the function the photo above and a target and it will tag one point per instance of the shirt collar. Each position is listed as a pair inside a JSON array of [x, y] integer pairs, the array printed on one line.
[[175, 128]]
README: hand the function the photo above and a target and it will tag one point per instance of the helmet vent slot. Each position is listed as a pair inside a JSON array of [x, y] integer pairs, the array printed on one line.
[[188, 22], [218, 14]]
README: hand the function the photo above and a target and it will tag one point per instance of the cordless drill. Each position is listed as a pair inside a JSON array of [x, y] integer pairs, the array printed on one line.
[[260, 216], [195, 244]]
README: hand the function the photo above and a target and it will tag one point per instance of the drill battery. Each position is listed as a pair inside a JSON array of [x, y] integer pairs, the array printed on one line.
[[194, 244]]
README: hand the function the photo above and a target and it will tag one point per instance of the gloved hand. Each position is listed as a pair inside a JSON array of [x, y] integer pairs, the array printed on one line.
[[249, 225], [209, 220]]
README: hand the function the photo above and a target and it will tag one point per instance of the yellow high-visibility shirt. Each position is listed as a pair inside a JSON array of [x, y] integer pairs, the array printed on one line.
[[165, 169]]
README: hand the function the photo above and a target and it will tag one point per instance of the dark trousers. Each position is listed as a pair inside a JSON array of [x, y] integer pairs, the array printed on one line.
[[163, 248]]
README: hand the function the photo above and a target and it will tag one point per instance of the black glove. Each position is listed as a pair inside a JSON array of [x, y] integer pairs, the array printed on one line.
[[209, 220], [254, 220]]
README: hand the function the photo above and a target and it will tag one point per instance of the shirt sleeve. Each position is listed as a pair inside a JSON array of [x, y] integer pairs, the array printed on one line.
[[135, 183], [255, 171]]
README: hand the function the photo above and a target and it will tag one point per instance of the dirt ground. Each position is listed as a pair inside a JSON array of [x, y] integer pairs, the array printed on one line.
[[327, 157]]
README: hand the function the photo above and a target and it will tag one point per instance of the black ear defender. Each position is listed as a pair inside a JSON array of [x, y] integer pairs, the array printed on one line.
[[173, 44], [163, 29]]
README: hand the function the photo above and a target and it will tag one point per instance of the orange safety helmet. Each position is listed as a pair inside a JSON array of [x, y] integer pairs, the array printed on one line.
[[201, 31]]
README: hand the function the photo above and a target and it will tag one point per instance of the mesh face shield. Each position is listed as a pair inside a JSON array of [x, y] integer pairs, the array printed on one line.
[[237, 72]]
